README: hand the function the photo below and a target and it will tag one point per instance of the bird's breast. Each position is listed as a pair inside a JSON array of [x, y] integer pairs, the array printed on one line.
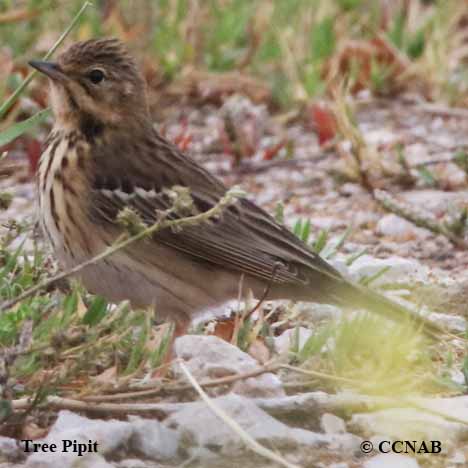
[[63, 195]]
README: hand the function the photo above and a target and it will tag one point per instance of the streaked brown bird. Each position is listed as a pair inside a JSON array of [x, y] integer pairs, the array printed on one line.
[[104, 155]]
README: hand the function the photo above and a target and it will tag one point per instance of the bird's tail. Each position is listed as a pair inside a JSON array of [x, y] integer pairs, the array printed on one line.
[[332, 287], [358, 296]]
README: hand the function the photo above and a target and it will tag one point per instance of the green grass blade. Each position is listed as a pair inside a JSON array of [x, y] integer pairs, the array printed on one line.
[[366, 281], [19, 128], [95, 313], [11, 100], [297, 228], [321, 241], [306, 231], [350, 260], [334, 250]]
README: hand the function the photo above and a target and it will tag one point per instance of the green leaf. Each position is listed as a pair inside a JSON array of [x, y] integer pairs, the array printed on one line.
[[70, 304], [20, 128], [322, 39], [465, 369], [331, 252], [12, 261], [279, 213], [5, 410], [294, 347], [417, 44], [96, 311], [305, 234], [367, 280], [321, 241], [349, 5], [427, 175], [312, 79], [461, 160], [297, 228], [157, 356], [350, 260], [397, 32], [315, 343], [138, 349]]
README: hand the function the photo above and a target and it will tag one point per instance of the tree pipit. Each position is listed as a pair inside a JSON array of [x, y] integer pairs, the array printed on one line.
[[104, 155]]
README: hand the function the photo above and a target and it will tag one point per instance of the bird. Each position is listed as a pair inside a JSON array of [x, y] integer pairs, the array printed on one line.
[[104, 155]]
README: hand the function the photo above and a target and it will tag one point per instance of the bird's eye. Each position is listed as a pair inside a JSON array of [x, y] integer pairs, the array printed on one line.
[[96, 76]]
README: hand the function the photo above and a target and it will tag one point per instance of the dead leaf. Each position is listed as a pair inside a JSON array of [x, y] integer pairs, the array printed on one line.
[[271, 152], [224, 329], [357, 57], [32, 431], [14, 16], [106, 378], [323, 121]]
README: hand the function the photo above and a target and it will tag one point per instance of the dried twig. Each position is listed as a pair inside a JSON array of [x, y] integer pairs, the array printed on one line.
[[180, 388], [433, 162], [439, 109], [246, 438], [55, 402], [318, 375], [417, 217], [361, 153], [264, 166]]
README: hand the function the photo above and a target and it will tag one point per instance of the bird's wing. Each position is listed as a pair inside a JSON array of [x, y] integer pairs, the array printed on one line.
[[244, 238]]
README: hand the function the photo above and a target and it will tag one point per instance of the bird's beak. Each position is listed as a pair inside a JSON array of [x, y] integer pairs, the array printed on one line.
[[51, 69]]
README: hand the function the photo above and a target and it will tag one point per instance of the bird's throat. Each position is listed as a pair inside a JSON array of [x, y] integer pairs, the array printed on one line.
[[90, 126]]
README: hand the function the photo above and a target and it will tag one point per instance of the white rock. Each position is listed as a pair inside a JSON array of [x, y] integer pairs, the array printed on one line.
[[308, 407], [349, 189], [202, 428], [362, 219], [339, 263], [400, 229], [333, 465], [57, 460], [287, 339], [332, 424], [391, 460], [452, 323], [455, 175], [9, 449], [110, 435], [209, 357], [457, 376], [399, 269], [327, 223], [133, 463], [408, 424], [435, 201], [316, 312], [458, 458], [153, 440], [380, 136], [455, 407]]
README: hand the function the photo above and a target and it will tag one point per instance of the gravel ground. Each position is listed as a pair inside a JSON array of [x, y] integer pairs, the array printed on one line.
[[310, 183]]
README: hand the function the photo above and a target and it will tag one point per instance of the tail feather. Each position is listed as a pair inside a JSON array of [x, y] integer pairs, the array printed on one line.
[[330, 286], [355, 295]]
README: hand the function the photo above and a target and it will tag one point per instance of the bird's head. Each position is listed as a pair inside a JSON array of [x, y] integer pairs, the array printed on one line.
[[95, 83]]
